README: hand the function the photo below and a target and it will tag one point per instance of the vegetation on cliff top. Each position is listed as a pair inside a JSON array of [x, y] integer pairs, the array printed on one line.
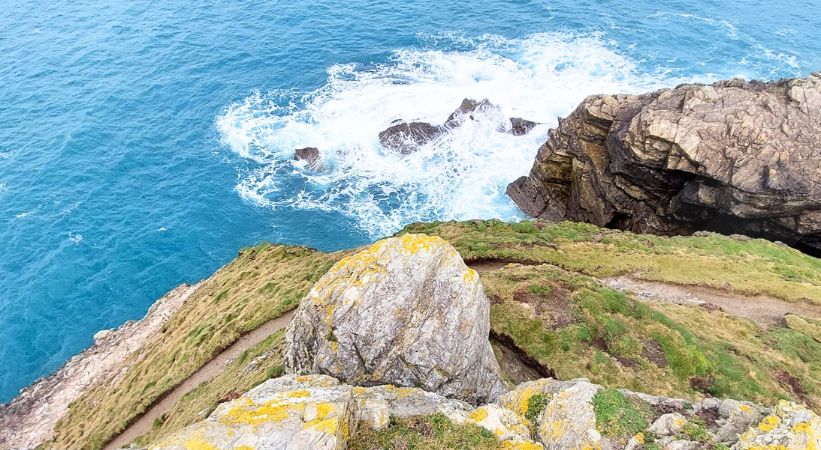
[[262, 283], [549, 305], [748, 266]]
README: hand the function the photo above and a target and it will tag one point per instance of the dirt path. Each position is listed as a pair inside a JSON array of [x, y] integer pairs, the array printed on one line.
[[764, 310], [204, 373]]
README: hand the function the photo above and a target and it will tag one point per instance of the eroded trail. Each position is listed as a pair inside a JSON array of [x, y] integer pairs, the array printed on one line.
[[204, 373], [764, 310]]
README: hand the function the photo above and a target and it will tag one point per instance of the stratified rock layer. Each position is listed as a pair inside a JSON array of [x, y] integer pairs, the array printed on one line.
[[734, 157], [406, 311]]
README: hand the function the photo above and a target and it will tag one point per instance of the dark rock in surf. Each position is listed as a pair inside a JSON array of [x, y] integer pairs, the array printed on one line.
[[407, 137], [520, 127], [467, 111], [310, 155]]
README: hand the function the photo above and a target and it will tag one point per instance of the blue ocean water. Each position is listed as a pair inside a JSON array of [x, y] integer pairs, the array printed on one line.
[[142, 144]]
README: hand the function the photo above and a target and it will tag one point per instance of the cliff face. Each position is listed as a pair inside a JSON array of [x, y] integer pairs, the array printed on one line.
[[734, 157]]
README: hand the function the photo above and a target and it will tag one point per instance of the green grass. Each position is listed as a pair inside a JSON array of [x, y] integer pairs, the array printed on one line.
[[261, 284], [752, 266], [434, 432], [617, 416], [694, 430], [535, 405], [252, 367], [663, 349], [582, 330]]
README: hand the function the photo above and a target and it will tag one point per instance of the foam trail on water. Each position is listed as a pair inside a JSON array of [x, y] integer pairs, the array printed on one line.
[[459, 176]]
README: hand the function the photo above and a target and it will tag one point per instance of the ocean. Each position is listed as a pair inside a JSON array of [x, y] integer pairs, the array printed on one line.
[[142, 144]]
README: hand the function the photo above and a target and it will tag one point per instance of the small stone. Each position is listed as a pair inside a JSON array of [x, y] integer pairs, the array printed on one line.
[[668, 424]]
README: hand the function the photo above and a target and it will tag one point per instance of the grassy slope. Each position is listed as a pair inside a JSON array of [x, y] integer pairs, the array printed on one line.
[[252, 367], [262, 283], [579, 328], [657, 348], [605, 334], [752, 266]]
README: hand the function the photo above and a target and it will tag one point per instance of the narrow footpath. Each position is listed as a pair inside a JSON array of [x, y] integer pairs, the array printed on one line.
[[208, 371]]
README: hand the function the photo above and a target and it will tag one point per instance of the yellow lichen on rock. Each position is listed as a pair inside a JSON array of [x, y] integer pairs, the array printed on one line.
[[520, 445], [413, 243], [328, 426], [789, 427], [252, 414], [478, 414], [769, 423], [469, 276], [198, 443]]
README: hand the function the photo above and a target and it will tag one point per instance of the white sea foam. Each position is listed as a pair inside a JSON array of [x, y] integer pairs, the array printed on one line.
[[460, 176]]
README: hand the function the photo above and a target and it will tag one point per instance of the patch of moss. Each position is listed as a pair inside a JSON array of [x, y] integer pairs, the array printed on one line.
[[616, 415], [535, 406], [434, 432], [694, 430]]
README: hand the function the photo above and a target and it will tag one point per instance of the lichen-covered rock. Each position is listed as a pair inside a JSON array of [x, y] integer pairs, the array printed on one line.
[[309, 412], [502, 422], [668, 424], [734, 157], [293, 412], [517, 444], [789, 427], [680, 444], [406, 311], [735, 417], [569, 420], [375, 405]]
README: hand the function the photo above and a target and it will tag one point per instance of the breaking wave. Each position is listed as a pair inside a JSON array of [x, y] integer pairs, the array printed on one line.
[[461, 175]]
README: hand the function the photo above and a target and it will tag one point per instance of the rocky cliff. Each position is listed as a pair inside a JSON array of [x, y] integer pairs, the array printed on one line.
[[680, 318], [733, 157]]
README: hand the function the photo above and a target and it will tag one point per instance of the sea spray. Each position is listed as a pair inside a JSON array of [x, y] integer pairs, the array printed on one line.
[[461, 175]]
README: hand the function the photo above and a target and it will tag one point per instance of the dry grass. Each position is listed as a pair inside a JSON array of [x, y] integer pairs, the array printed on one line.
[[607, 334], [261, 284], [257, 364]]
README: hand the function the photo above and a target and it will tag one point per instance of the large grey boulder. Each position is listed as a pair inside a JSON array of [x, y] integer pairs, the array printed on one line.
[[406, 311], [733, 157]]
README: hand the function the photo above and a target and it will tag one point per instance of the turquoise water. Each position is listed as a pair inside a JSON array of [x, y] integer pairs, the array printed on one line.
[[143, 144]]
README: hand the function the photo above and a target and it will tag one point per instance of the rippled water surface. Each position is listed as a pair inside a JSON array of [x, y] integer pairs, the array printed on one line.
[[142, 144]]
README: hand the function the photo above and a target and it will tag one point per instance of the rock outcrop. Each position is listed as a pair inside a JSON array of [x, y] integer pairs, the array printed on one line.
[[317, 412], [733, 157], [310, 155], [406, 311], [406, 137]]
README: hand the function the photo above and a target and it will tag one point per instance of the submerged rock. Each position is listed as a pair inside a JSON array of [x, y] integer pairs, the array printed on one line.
[[520, 127], [734, 157], [468, 109], [407, 137], [406, 311], [310, 155]]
